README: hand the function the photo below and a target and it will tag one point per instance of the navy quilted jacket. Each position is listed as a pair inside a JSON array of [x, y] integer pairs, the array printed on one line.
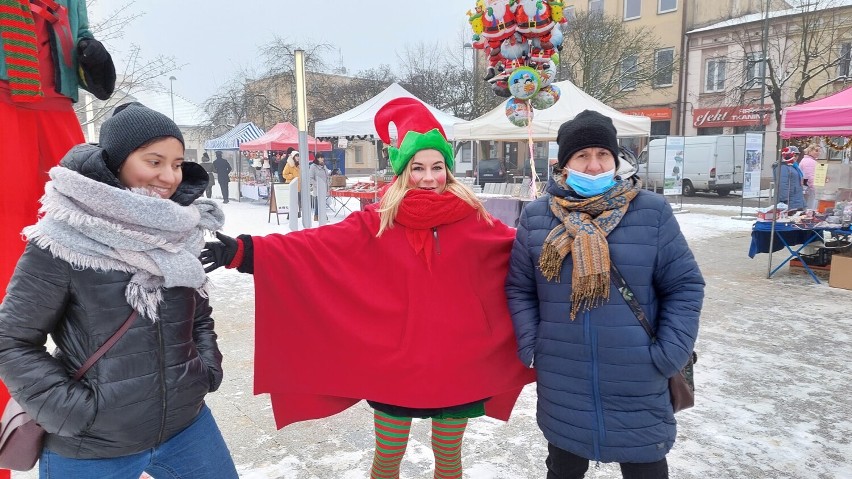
[[602, 384]]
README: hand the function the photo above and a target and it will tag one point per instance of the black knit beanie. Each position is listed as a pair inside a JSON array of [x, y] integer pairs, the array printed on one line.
[[130, 126], [587, 129]]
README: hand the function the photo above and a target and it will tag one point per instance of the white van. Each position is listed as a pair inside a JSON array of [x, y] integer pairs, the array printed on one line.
[[710, 163]]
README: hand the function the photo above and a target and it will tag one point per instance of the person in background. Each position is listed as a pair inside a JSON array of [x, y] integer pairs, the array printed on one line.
[[211, 178], [274, 163], [283, 163], [318, 175], [223, 169], [790, 179], [291, 168], [438, 344], [121, 232], [808, 165], [47, 53], [602, 381]]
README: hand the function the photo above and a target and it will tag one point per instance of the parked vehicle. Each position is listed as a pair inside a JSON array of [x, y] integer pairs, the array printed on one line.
[[711, 163], [540, 168], [491, 170]]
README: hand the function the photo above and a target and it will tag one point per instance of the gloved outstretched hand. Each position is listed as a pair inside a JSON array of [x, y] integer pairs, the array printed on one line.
[[92, 52], [218, 253]]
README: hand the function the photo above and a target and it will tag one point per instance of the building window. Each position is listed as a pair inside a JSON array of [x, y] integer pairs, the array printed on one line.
[[661, 128], [596, 6], [747, 129], [568, 13], [629, 67], [753, 74], [714, 79], [844, 63], [632, 9], [359, 155], [663, 67], [712, 130], [666, 6], [830, 153]]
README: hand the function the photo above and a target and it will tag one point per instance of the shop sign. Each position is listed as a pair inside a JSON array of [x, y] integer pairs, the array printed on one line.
[[652, 113], [729, 116]]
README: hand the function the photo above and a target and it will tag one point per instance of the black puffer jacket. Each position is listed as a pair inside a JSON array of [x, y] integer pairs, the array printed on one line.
[[147, 388]]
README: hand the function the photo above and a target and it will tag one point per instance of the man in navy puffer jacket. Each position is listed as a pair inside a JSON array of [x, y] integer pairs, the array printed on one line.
[[602, 382]]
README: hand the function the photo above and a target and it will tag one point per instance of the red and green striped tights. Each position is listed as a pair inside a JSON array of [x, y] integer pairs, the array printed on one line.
[[392, 439]]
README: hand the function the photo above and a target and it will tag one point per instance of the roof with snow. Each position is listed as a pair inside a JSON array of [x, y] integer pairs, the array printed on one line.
[[187, 113], [796, 9]]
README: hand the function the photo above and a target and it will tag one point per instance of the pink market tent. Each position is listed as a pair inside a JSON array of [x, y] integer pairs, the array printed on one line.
[[829, 116], [283, 136]]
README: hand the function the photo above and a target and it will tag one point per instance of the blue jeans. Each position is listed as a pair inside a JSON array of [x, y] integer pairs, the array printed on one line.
[[197, 452]]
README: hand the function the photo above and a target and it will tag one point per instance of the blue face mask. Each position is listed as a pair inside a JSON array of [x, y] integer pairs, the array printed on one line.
[[590, 185]]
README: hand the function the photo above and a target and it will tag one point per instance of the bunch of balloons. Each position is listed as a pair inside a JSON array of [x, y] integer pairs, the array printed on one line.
[[521, 42]]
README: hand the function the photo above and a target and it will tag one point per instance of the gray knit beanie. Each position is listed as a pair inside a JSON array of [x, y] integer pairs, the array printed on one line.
[[131, 126]]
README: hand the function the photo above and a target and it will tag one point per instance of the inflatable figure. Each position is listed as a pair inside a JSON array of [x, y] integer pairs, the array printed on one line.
[[475, 19], [498, 24]]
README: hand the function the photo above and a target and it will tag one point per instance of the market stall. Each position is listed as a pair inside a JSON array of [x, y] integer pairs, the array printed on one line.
[[359, 121], [820, 121], [282, 136], [231, 141], [795, 237]]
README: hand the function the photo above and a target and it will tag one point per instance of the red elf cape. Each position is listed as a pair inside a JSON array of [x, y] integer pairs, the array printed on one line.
[[363, 317]]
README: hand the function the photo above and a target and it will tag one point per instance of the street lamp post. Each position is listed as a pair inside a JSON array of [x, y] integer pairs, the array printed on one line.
[[172, 94], [473, 103]]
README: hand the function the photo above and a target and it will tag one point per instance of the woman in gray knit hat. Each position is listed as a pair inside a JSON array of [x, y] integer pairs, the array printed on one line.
[[117, 244]]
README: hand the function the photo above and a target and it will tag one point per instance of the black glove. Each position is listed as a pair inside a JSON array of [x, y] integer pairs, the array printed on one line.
[[218, 253], [92, 52]]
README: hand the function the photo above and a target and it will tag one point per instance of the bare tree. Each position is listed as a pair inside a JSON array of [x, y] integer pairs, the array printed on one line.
[[431, 75], [608, 59], [445, 77], [134, 71], [237, 101], [357, 89], [804, 56]]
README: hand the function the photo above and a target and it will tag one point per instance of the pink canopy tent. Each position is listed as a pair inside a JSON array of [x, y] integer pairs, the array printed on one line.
[[283, 136], [829, 116]]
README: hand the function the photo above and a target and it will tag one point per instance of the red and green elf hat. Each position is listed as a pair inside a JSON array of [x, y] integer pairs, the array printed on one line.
[[417, 129]]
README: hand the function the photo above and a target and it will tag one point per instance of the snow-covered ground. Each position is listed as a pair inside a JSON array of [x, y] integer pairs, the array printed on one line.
[[774, 395]]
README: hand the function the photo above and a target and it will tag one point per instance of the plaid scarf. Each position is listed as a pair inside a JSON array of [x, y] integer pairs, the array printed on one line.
[[17, 30], [584, 225]]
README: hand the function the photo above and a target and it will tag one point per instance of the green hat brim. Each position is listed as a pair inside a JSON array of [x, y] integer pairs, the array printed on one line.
[[414, 142]]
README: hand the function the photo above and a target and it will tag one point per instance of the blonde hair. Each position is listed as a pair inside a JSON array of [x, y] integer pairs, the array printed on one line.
[[811, 147], [389, 205]]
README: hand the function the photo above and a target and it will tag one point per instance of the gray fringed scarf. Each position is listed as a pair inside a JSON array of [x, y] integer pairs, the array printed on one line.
[[93, 225]]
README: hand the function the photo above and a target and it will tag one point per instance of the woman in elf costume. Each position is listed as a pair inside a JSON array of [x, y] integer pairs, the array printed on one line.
[[419, 326]]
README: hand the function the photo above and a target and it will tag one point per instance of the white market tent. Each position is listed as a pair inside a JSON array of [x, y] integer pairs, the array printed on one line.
[[545, 124], [359, 120]]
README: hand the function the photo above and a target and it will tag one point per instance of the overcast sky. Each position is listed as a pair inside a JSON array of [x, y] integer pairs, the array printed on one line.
[[212, 39]]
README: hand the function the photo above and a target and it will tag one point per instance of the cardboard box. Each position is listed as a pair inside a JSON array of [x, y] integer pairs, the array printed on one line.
[[770, 215], [841, 272], [337, 181]]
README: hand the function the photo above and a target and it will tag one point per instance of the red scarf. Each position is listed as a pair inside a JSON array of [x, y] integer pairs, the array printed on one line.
[[421, 212]]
